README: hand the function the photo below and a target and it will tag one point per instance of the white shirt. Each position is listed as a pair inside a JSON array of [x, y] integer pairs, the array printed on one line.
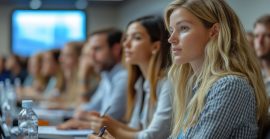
[[111, 91], [155, 124]]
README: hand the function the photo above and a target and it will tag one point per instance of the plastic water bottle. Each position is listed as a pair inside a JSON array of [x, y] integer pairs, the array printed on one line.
[[11, 98], [28, 121], [6, 107]]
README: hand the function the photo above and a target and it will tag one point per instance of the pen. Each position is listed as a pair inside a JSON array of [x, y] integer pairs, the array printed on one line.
[[105, 111], [102, 131]]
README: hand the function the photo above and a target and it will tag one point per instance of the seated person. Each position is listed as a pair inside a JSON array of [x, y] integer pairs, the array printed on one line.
[[218, 87], [34, 83], [4, 74], [147, 54], [16, 68], [88, 78], [106, 56]]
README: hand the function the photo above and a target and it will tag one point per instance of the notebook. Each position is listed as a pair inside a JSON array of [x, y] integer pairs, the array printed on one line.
[[52, 132]]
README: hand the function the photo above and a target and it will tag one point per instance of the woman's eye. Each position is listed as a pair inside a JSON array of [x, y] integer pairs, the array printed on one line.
[[184, 28], [137, 37]]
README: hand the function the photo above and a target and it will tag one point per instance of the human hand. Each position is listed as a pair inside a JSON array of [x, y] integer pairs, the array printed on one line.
[[83, 115], [97, 122], [74, 124], [106, 135]]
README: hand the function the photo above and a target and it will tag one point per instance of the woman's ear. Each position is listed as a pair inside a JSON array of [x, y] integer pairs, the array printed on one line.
[[155, 47], [214, 30]]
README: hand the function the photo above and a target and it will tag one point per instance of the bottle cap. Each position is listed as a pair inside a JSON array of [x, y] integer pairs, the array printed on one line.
[[27, 103]]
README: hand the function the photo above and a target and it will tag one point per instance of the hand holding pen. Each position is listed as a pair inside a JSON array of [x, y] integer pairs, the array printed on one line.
[[102, 131], [94, 118], [98, 121], [103, 134], [112, 126], [99, 135]]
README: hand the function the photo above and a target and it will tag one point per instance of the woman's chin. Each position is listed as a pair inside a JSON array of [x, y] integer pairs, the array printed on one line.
[[128, 61], [178, 61]]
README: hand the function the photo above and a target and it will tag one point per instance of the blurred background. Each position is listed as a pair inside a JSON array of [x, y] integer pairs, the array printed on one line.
[[28, 26]]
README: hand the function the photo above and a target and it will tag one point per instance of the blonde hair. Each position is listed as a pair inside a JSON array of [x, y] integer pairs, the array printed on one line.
[[55, 53], [39, 81], [227, 54]]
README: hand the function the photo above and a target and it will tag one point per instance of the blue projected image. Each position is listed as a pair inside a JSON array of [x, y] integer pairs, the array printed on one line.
[[35, 31]]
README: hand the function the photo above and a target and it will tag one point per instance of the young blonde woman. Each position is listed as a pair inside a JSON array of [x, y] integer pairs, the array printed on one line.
[[147, 54], [51, 69], [34, 83], [218, 87], [69, 59], [88, 78]]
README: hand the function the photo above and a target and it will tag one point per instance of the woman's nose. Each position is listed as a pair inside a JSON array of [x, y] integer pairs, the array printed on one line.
[[173, 39], [126, 43]]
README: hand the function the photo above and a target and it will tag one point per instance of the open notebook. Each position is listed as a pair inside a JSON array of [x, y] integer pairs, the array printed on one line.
[[51, 132]]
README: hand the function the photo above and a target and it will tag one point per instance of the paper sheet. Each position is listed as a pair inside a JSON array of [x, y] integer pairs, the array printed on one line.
[[49, 131]]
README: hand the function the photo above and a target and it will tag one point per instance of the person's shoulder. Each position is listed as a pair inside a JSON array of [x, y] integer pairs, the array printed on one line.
[[164, 81], [232, 79], [120, 72], [164, 85], [233, 84]]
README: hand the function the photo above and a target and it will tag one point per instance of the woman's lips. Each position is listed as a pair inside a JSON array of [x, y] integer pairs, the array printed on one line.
[[176, 50], [127, 53]]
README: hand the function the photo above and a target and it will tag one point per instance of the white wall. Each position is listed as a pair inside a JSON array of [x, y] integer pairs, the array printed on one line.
[[102, 17], [250, 10], [132, 9], [247, 10], [4, 29]]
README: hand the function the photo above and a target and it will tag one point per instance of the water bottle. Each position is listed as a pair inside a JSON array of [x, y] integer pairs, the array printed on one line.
[[28, 121], [6, 108], [11, 98]]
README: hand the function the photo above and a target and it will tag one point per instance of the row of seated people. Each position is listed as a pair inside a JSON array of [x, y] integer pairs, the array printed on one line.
[[53, 76], [214, 87]]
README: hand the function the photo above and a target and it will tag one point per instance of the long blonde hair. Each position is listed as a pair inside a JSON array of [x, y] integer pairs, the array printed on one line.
[[227, 54]]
